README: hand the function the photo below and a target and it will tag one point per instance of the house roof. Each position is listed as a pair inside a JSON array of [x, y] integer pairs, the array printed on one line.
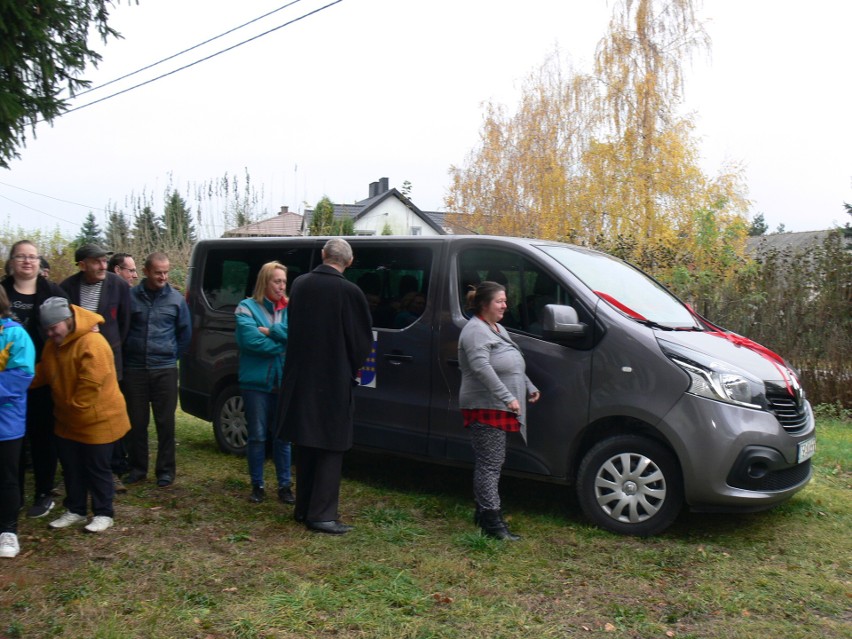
[[359, 209], [285, 223], [288, 223], [794, 243]]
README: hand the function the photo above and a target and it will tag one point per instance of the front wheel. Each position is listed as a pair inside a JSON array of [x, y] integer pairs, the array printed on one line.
[[229, 422], [630, 485]]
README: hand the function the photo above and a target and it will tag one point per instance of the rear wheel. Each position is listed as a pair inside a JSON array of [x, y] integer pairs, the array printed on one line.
[[631, 485], [229, 421]]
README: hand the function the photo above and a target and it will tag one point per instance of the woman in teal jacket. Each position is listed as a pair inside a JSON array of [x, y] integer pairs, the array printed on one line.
[[262, 341]]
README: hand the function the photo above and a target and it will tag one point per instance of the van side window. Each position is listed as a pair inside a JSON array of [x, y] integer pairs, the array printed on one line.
[[229, 276], [395, 281], [528, 287]]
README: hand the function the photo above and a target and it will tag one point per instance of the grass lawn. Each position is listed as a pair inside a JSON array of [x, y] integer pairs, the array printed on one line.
[[198, 560]]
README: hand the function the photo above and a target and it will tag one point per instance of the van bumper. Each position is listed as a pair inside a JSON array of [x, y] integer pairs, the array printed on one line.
[[735, 458]]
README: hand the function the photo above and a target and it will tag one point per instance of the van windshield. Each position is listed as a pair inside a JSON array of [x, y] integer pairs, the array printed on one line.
[[624, 287]]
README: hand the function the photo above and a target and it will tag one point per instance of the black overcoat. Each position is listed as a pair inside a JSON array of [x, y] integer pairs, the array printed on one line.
[[113, 306], [330, 337]]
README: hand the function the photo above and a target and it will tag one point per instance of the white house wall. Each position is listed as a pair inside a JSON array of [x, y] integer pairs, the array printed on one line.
[[393, 212]]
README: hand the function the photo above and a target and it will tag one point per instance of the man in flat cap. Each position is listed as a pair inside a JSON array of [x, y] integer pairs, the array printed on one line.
[[96, 289]]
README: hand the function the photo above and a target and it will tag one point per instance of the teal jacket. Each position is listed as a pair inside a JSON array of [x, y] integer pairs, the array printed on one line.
[[17, 365], [261, 356]]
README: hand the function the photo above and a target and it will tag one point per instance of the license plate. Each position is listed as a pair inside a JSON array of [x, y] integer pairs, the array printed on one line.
[[807, 449]]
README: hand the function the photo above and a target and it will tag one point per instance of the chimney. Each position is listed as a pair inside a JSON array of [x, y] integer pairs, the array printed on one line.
[[284, 210], [384, 187], [374, 189]]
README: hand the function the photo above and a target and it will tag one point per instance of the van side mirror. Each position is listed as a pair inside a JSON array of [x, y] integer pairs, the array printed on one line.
[[560, 323]]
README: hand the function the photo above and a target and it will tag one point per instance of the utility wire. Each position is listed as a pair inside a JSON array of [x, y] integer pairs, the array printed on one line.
[[213, 55], [192, 48], [20, 188], [38, 210]]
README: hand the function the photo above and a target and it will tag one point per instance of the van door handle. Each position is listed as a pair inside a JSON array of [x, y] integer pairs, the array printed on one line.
[[396, 358]]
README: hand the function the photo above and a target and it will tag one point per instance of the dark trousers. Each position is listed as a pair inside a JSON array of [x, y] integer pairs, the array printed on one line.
[[86, 469], [146, 390], [10, 490], [318, 489], [41, 441]]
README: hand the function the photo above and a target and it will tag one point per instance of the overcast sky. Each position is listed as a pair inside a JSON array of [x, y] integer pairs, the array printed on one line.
[[366, 89]]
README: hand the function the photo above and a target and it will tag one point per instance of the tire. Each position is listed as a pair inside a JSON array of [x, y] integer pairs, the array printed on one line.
[[630, 485], [229, 422]]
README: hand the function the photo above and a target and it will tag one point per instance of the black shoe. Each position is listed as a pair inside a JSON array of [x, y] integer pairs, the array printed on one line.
[[257, 494], [328, 527], [164, 481], [285, 495], [298, 517], [42, 505], [134, 477]]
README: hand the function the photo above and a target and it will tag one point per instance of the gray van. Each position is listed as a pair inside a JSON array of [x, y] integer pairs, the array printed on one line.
[[645, 406]]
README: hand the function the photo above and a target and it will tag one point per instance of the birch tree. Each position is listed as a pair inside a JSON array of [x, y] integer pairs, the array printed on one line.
[[605, 159]]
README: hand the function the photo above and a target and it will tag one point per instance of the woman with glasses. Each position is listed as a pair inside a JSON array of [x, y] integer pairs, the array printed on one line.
[[26, 291]]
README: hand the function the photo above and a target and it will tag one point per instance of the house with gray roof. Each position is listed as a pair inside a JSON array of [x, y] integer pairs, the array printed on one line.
[[792, 243], [384, 210]]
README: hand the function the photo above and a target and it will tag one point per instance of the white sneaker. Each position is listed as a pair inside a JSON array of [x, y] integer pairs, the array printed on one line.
[[99, 524], [9, 545], [68, 519]]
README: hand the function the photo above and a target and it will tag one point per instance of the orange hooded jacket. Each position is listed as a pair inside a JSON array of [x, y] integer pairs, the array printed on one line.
[[88, 405]]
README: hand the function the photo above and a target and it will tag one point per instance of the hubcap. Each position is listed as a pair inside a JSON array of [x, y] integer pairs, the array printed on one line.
[[233, 422], [630, 487]]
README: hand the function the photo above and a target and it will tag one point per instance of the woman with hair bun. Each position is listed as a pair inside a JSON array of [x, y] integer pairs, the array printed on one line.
[[493, 397]]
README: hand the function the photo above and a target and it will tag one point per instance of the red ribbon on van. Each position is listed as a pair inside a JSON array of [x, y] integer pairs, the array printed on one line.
[[738, 340]]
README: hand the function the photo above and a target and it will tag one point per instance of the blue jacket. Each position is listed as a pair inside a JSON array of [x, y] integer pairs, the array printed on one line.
[[160, 328], [261, 356], [17, 365]]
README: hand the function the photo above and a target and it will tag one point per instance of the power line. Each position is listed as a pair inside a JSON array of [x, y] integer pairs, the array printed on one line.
[[192, 48], [20, 188], [213, 55], [55, 217]]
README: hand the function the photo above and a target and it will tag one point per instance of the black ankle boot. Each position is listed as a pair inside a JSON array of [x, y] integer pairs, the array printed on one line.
[[257, 494], [493, 525], [477, 515]]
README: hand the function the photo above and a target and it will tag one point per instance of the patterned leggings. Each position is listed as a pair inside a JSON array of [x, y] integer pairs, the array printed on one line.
[[489, 452]]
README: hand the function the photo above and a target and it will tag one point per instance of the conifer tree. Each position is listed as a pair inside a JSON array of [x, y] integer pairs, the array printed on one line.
[[117, 235], [90, 232]]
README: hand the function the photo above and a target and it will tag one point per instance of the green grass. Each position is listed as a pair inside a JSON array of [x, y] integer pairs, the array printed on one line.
[[198, 560]]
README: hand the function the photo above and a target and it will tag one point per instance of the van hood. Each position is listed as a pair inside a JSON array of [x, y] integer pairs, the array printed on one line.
[[749, 357]]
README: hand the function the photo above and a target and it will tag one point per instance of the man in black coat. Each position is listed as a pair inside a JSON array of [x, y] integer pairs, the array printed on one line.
[[329, 338], [97, 290]]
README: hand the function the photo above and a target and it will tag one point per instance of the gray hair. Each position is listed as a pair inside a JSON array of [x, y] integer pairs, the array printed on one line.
[[337, 251]]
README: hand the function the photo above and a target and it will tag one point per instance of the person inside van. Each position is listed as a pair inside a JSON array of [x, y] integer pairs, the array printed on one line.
[[492, 398], [262, 341]]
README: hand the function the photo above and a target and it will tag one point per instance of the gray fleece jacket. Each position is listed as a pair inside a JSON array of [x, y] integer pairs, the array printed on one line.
[[493, 370]]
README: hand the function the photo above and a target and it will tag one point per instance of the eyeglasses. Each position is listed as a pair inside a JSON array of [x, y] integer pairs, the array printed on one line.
[[131, 270], [26, 258]]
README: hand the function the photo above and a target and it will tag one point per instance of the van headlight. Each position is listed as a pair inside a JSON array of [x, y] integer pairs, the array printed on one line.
[[722, 386]]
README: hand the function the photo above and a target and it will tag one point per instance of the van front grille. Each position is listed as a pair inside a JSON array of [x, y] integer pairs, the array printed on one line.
[[774, 480], [789, 411]]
